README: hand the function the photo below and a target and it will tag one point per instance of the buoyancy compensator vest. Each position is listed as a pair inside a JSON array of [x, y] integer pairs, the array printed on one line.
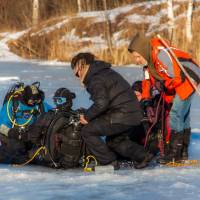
[[14, 96]]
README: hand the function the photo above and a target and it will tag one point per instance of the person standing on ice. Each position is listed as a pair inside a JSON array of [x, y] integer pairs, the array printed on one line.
[[114, 112], [164, 73]]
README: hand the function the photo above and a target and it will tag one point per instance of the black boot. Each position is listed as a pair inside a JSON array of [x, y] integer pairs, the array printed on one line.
[[186, 142], [145, 162], [163, 157], [175, 148]]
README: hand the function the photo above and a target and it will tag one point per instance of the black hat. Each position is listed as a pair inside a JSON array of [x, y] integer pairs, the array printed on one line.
[[137, 86], [32, 92], [64, 92], [63, 99]]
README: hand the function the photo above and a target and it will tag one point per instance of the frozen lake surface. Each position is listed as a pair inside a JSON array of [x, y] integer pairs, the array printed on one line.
[[34, 182]]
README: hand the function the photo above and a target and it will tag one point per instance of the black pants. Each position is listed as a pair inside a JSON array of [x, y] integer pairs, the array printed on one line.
[[118, 141], [13, 151]]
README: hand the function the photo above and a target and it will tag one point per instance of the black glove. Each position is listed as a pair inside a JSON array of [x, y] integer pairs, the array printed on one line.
[[160, 86], [81, 111], [150, 114], [35, 134], [18, 134], [146, 103]]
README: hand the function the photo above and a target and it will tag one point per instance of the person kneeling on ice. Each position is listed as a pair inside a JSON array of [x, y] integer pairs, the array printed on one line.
[[21, 108], [164, 68], [114, 113]]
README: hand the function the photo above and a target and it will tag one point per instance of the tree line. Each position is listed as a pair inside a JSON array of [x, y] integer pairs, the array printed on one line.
[[20, 14], [188, 23]]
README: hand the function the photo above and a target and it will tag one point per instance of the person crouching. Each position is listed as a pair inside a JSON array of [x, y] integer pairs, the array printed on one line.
[[114, 112]]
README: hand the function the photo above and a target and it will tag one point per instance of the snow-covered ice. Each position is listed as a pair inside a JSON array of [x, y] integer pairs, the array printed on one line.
[[9, 78], [34, 182]]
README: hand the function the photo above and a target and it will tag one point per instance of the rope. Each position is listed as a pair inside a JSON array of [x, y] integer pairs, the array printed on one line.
[[186, 163], [8, 112], [32, 158], [87, 161]]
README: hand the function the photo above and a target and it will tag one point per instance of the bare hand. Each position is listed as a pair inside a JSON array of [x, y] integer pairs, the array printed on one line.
[[83, 120]]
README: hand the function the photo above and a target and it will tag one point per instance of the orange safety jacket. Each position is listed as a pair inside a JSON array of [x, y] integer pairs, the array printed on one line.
[[168, 69]]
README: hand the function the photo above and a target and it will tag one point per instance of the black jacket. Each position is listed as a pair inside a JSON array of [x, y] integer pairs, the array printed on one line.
[[112, 96]]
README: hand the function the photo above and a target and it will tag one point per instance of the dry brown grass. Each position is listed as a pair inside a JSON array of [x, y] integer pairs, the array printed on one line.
[[14, 14]]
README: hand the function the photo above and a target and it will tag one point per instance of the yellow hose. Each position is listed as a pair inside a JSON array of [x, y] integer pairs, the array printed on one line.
[[8, 112], [89, 169], [32, 158]]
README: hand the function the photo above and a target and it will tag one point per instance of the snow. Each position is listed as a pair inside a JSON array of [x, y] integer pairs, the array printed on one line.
[[50, 62], [152, 20], [5, 54], [35, 182], [117, 41], [8, 78], [97, 41], [99, 16], [51, 28]]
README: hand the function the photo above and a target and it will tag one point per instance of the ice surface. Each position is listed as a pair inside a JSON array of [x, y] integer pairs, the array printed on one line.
[[9, 78], [34, 182]]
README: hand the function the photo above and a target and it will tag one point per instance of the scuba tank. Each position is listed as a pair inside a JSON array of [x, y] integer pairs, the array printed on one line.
[[62, 140], [55, 135]]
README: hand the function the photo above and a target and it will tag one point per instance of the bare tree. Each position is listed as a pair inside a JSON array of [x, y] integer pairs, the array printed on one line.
[[35, 17], [88, 5], [108, 27], [79, 3], [170, 14], [189, 21]]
